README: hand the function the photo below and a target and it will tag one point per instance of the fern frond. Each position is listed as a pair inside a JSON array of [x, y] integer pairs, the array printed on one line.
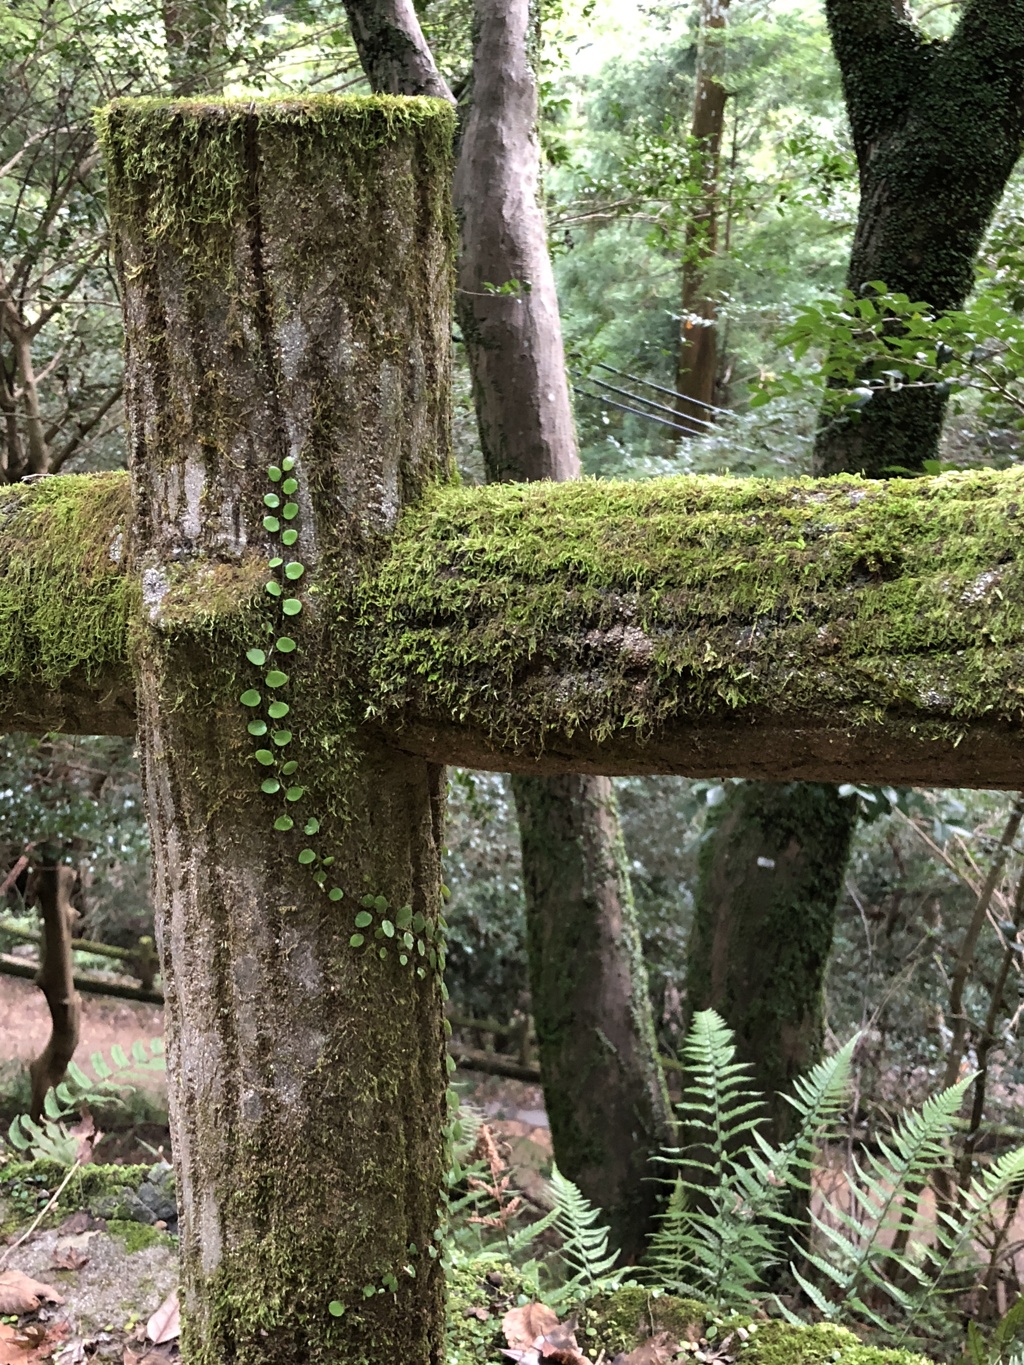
[[584, 1249], [916, 1147]]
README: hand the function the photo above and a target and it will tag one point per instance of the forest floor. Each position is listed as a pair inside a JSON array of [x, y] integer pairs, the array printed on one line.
[[101, 1288]]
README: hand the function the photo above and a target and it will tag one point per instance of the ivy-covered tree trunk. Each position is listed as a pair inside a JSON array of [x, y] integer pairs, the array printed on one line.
[[697, 360], [937, 128], [603, 1086], [286, 280]]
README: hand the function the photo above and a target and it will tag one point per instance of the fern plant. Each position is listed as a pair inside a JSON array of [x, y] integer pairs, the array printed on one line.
[[584, 1252], [724, 1226], [49, 1139]]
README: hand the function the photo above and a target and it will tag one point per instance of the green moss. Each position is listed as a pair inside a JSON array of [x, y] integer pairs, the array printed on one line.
[[533, 612], [619, 1321], [25, 1186], [778, 1343], [479, 1295], [138, 1236], [66, 598]]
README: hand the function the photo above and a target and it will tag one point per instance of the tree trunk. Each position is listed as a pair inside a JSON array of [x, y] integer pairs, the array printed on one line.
[[603, 1087], [55, 979], [697, 360], [770, 876], [937, 129], [285, 271], [574, 871]]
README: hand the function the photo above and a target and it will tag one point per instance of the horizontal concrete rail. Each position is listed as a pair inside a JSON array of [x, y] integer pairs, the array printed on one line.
[[833, 630]]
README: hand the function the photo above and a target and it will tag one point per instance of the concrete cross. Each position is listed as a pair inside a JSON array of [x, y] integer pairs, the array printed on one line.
[[305, 616]]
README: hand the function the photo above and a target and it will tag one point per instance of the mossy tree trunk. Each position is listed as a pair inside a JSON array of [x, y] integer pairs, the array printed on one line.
[[937, 128], [770, 876], [286, 281], [603, 1086]]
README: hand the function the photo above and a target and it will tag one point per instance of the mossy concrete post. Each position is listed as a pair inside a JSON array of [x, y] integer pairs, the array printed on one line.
[[286, 274]]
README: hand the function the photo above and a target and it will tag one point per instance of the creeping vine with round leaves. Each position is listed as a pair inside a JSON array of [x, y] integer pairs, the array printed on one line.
[[418, 942]]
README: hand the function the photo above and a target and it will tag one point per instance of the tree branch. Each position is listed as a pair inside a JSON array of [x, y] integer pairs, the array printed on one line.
[[392, 49]]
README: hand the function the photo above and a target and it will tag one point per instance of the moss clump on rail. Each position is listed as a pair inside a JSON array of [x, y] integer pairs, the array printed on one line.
[[66, 600], [532, 612]]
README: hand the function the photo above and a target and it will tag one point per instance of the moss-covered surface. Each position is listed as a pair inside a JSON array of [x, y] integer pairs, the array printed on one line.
[[67, 599], [771, 870], [617, 1322], [531, 613], [26, 1187], [138, 1236], [778, 1343]]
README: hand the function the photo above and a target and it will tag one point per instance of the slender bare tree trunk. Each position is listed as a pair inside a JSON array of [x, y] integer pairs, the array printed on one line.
[[697, 361], [53, 884], [603, 1085]]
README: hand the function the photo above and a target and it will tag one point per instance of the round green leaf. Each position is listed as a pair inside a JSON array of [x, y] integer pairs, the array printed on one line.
[[282, 737], [335, 1308], [356, 941], [363, 920], [403, 959], [408, 940], [294, 793], [288, 463], [290, 768], [335, 894], [290, 511], [257, 727], [307, 856], [250, 698], [380, 903], [273, 473], [275, 678], [382, 952], [271, 524], [418, 922], [290, 486], [388, 927], [328, 861], [290, 536], [403, 918], [277, 709], [421, 972], [274, 588], [312, 826], [270, 785], [256, 656], [291, 606], [271, 500], [276, 562], [265, 757], [367, 901], [285, 644], [294, 569], [284, 822]]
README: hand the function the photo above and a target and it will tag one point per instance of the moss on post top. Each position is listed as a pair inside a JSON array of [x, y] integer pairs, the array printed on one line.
[[181, 171]]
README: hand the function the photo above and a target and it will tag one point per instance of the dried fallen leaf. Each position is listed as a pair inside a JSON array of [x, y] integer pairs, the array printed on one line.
[[36, 1342], [480, 1313], [656, 1350], [165, 1324], [21, 1294], [159, 1356], [88, 1135], [522, 1326]]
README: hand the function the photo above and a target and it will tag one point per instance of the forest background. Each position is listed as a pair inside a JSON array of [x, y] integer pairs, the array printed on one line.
[[621, 192]]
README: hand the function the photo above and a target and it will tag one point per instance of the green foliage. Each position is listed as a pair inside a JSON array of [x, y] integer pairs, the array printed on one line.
[[586, 1260], [51, 1140], [722, 1231]]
